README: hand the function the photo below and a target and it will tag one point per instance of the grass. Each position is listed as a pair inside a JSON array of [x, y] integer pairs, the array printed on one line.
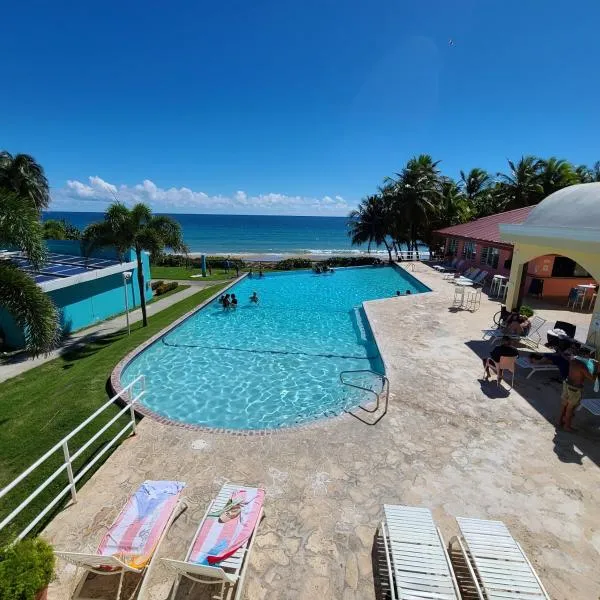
[[180, 273], [44, 404]]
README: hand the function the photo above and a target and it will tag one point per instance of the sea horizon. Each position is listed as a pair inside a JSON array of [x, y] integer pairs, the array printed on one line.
[[251, 235]]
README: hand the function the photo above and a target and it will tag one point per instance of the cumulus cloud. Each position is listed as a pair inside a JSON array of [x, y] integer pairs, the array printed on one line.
[[183, 199]]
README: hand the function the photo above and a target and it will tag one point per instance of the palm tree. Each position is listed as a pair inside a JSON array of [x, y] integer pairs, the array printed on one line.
[[23, 175], [477, 187], [135, 228], [370, 224], [521, 187], [555, 174], [60, 229], [20, 296], [414, 195], [587, 175], [454, 207]]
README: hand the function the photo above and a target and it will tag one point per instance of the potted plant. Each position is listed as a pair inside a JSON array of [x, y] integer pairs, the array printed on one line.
[[26, 569]]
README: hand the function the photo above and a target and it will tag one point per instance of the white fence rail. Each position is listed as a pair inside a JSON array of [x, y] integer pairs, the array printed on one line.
[[414, 254], [69, 457]]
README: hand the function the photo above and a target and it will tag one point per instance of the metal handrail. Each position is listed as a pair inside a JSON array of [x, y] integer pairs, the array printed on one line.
[[69, 458], [384, 388]]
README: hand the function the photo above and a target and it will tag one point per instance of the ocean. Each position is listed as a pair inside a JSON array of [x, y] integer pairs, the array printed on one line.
[[252, 234]]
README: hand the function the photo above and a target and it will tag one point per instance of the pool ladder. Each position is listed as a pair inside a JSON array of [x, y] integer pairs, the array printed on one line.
[[385, 390]]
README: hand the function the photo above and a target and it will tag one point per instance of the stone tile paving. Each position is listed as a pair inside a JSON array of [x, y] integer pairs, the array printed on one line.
[[449, 442]]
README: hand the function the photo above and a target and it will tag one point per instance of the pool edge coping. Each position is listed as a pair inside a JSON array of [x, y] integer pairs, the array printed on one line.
[[117, 387]]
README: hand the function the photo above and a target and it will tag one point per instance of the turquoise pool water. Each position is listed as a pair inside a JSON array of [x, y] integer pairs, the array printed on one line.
[[272, 364]]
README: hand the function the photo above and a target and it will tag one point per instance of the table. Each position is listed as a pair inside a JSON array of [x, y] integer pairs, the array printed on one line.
[[461, 284], [496, 286]]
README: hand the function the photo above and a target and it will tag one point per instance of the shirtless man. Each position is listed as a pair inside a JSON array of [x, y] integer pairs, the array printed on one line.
[[581, 368]]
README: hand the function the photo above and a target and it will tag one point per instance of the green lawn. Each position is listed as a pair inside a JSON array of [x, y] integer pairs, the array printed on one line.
[[186, 273], [41, 406]]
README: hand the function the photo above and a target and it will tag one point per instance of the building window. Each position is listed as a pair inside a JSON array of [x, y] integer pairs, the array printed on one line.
[[469, 250], [565, 267], [490, 257], [452, 246]]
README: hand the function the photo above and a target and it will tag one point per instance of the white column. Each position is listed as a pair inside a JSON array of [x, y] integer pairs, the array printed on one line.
[[514, 282]]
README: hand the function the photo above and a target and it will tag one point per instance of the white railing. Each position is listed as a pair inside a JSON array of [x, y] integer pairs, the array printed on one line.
[[67, 465], [414, 254]]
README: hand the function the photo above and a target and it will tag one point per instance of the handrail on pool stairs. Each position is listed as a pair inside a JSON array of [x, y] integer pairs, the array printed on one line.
[[385, 387]]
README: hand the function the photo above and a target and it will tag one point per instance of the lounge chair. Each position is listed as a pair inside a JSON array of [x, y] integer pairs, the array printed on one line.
[[531, 340], [449, 273], [524, 363], [417, 560], [448, 264], [497, 564], [132, 542], [468, 275], [592, 405], [454, 266], [219, 552]]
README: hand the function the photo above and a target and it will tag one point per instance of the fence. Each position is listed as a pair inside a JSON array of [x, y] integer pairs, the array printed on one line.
[[69, 458]]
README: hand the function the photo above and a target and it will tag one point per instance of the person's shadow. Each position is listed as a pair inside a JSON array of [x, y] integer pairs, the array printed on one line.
[[492, 390], [564, 447]]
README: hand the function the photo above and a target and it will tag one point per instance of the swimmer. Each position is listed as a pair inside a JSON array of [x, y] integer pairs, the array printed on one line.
[[234, 301], [254, 298]]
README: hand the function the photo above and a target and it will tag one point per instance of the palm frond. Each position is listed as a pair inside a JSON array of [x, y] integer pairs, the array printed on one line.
[[30, 307]]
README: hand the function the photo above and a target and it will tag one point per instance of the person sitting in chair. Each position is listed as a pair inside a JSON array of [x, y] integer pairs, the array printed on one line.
[[504, 349]]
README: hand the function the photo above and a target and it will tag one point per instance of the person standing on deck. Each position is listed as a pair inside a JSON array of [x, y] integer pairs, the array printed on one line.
[[581, 369]]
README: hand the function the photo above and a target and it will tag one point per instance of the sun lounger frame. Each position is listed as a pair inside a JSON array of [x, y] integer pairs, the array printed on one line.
[[231, 572], [508, 573], [95, 563], [417, 569]]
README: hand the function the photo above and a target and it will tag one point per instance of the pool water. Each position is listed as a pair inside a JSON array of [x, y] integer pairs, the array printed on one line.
[[272, 364]]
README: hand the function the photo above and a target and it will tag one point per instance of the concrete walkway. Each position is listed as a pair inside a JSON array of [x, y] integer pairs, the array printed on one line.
[[449, 441], [22, 362]]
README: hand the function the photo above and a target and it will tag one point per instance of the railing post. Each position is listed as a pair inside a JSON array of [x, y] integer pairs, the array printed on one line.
[[65, 447]]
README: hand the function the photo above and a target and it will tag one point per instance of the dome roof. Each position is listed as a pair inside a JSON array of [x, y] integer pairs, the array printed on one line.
[[574, 207]]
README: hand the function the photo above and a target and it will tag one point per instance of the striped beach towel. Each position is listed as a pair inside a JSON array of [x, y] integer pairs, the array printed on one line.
[[217, 541], [134, 535]]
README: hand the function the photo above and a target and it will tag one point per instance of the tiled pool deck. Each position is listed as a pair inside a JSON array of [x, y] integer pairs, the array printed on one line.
[[448, 442]]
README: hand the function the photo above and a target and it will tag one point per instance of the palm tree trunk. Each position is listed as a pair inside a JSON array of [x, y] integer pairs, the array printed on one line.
[[389, 249], [140, 277]]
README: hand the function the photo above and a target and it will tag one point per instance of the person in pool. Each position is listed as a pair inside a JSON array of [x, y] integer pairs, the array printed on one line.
[[222, 299], [226, 301], [254, 298], [234, 301], [582, 368]]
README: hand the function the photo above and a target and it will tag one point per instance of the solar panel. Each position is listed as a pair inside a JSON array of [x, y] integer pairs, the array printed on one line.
[[42, 278]]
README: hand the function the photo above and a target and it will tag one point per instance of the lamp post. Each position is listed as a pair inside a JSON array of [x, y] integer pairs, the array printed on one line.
[[126, 278]]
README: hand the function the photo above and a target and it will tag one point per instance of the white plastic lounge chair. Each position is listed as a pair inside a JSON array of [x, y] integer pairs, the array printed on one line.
[[449, 273], [469, 275], [418, 564], [532, 339], [132, 542], [454, 266], [229, 573], [497, 564], [524, 363]]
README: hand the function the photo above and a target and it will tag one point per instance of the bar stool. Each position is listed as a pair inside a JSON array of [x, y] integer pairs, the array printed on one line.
[[473, 299]]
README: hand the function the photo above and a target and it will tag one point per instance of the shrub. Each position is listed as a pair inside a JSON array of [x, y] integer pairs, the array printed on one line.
[[26, 568], [352, 261], [527, 311], [156, 284], [293, 263], [163, 288]]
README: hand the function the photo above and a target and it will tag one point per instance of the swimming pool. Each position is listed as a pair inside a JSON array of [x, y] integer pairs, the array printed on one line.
[[272, 364]]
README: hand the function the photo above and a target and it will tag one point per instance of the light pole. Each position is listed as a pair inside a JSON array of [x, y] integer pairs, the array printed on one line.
[[126, 278]]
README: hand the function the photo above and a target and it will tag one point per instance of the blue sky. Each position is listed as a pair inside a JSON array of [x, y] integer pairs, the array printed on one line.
[[289, 107]]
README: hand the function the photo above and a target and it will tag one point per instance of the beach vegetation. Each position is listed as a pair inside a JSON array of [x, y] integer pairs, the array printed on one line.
[[419, 199]]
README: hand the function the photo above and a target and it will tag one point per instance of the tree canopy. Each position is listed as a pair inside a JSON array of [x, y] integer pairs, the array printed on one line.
[[419, 199]]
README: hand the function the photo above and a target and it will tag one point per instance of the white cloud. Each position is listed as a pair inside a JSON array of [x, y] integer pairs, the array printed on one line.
[[182, 200]]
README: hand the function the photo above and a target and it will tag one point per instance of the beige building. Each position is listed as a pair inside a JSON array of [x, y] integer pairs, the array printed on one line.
[[566, 223]]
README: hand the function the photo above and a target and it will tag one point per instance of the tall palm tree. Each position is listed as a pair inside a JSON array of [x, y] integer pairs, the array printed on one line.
[[20, 296], [23, 175], [454, 207], [555, 174], [135, 228], [414, 195], [521, 186], [370, 224], [477, 187]]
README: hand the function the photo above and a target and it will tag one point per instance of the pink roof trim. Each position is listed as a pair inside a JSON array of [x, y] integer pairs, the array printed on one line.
[[487, 229]]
